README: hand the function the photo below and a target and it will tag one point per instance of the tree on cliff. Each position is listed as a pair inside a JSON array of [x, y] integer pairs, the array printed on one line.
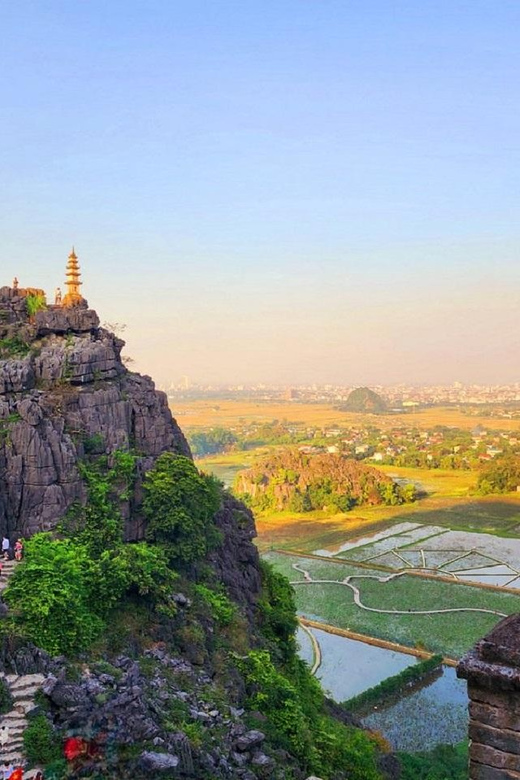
[[180, 504]]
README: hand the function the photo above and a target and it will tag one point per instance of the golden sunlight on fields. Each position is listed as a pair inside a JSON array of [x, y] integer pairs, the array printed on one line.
[[207, 414]]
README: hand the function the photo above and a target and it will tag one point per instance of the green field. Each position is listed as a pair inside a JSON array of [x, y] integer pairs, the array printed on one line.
[[451, 634], [449, 502]]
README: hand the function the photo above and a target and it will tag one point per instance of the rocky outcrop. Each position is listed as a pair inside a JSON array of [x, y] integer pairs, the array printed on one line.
[[290, 479], [235, 560], [364, 400], [64, 393], [120, 705]]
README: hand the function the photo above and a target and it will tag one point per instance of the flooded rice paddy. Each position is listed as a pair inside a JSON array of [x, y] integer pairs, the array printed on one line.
[[432, 713], [349, 667], [464, 555], [437, 713]]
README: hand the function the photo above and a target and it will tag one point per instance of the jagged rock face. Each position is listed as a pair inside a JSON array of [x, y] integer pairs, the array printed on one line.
[[236, 559], [65, 391]]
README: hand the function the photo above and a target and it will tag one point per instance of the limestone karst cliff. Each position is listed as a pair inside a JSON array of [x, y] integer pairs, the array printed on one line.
[[64, 391], [174, 656]]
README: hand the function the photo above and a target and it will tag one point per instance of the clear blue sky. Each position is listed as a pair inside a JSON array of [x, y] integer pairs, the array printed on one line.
[[287, 190]]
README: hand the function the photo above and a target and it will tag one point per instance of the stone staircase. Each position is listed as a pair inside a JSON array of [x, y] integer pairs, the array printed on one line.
[[23, 689]]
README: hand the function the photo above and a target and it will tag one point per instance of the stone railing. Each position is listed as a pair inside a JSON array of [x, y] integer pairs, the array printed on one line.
[[492, 670]]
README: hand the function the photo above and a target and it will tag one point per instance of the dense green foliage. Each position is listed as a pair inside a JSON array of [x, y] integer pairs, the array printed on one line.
[[277, 612], [221, 608], [180, 504], [444, 762], [35, 303], [63, 594], [6, 699], [292, 701], [395, 684], [501, 475], [40, 743], [98, 524], [290, 479]]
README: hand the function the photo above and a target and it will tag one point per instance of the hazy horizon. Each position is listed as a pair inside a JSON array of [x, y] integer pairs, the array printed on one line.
[[283, 192]]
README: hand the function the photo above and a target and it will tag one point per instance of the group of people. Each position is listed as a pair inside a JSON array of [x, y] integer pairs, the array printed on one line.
[[9, 772], [6, 549]]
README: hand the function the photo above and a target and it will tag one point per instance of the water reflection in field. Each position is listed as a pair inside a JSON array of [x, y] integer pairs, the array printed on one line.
[[226, 472], [437, 713], [305, 650], [433, 713], [349, 667]]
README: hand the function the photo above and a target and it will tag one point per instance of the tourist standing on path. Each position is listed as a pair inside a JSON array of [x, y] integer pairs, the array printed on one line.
[[6, 545], [18, 550], [4, 735], [7, 770]]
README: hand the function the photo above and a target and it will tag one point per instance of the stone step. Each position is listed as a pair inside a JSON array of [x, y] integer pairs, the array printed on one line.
[[12, 678], [15, 757], [15, 680], [16, 744], [15, 727], [12, 715], [24, 692], [16, 731]]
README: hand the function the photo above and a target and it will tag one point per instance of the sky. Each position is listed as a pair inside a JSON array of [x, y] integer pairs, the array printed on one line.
[[281, 191]]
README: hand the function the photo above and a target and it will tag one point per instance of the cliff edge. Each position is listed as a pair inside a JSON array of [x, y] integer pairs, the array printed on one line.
[[64, 393]]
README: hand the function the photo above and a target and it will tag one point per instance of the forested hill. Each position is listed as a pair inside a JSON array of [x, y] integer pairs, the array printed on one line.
[[293, 480]]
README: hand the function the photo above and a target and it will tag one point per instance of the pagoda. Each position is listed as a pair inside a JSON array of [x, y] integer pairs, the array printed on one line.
[[73, 295]]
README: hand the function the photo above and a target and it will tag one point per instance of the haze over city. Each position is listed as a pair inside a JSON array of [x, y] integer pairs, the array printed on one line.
[[272, 191]]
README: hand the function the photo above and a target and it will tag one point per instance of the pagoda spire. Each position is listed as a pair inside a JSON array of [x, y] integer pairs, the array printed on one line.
[[72, 273]]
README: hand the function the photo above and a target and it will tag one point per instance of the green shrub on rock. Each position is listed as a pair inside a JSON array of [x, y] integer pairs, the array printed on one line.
[[40, 743], [6, 699], [180, 504], [292, 702]]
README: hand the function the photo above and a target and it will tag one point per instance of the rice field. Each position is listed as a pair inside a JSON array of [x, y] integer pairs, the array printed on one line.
[[451, 634], [207, 413]]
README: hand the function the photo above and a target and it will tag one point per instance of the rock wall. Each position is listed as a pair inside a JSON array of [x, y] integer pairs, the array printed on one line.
[[64, 391], [492, 670]]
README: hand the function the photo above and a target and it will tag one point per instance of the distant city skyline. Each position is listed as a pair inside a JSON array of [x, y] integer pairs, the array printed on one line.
[[285, 192]]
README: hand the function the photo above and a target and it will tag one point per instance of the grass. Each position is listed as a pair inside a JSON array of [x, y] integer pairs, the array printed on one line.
[[449, 503], [334, 604], [450, 483]]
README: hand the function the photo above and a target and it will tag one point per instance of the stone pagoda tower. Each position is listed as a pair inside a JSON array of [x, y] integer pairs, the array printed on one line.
[[73, 295]]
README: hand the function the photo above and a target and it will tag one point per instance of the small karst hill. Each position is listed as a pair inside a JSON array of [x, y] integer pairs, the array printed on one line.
[[293, 480], [362, 399]]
